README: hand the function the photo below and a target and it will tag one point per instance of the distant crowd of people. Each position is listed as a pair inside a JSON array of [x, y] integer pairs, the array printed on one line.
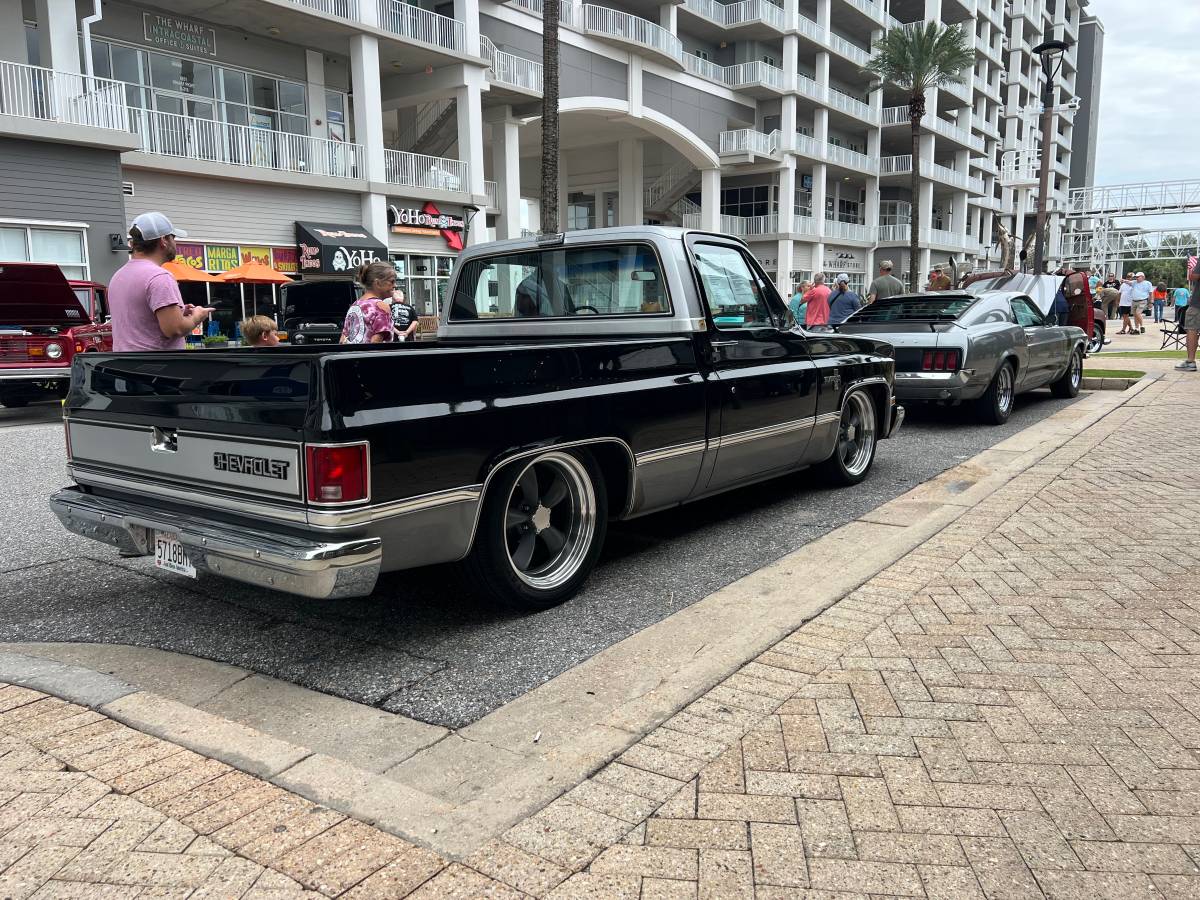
[[818, 306], [1129, 296]]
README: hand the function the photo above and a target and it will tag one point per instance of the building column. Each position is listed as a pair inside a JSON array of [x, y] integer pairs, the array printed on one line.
[[506, 166], [467, 12], [563, 191], [787, 203], [629, 182], [819, 175], [12, 34], [314, 67], [668, 16], [469, 111], [871, 212], [58, 34], [710, 199], [368, 129]]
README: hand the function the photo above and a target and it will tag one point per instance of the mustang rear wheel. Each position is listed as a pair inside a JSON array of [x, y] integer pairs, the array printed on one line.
[[856, 442], [1068, 384], [996, 405], [541, 530]]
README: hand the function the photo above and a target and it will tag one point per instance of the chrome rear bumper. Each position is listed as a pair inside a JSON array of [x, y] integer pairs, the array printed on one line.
[[300, 565], [34, 373]]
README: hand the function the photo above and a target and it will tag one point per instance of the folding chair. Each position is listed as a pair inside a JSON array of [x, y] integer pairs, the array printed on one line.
[[1173, 335]]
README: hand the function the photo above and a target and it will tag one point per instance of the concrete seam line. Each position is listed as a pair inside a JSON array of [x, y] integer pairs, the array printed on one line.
[[75, 684]]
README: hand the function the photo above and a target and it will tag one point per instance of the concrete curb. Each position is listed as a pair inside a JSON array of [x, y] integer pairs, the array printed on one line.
[[458, 790]]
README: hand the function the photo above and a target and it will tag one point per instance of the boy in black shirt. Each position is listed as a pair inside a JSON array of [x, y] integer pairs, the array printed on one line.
[[404, 317]]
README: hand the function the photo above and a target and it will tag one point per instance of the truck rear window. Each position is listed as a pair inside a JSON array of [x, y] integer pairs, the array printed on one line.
[[612, 280], [902, 309]]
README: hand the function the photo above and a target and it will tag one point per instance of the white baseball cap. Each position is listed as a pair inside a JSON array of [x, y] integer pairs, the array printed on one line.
[[153, 225], [1141, 274], [843, 277]]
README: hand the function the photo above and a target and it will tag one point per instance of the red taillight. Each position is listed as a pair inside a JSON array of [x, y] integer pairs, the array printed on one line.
[[940, 360], [337, 474]]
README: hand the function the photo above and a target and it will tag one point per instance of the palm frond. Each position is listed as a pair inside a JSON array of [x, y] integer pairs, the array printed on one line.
[[921, 56]]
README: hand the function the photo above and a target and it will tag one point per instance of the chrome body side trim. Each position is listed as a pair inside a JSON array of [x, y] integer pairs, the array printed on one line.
[[648, 457], [323, 518], [741, 437], [298, 565]]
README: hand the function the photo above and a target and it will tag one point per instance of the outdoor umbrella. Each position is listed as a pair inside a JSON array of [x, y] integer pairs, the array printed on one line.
[[253, 273], [181, 272]]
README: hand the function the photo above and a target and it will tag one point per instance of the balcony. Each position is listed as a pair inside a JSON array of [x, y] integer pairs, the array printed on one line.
[[430, 172], [750, 142], [205, 140], [35, 97], [827, 39], [509, 70], [849, 231], [629, 29], [492, 192], [805, 226], [850, 159], [893, 234], [959, 90], [898, 115], [745, 13], [851, 106], [749, 226], [902, 165], [872, 9], [756, 78], [420, 25]]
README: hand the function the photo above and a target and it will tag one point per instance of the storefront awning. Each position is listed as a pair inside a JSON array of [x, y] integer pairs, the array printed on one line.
[[335, 249]]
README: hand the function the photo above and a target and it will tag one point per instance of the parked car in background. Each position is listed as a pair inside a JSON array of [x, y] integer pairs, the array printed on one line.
[[45, 320], [985, 348], [313, 311], [1042, 289], [599, 374]]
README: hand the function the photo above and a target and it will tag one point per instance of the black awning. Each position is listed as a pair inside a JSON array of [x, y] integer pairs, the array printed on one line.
[[335, 249]]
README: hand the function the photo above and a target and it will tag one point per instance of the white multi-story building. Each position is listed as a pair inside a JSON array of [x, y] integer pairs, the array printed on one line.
[[287, 130]]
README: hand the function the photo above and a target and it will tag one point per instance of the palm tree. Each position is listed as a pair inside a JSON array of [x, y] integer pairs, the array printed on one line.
[[549, 116], [916, 58]]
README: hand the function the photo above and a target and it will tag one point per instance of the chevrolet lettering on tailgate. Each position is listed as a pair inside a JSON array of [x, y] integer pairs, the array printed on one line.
[[250, 465]]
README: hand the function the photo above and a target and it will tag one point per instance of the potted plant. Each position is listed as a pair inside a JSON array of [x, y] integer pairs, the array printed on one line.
[[215, 340]]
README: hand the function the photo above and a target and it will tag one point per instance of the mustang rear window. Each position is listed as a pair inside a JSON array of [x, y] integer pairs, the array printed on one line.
[[914, 309], [563, 282]]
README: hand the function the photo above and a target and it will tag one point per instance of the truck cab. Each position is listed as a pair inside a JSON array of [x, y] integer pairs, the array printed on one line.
[[44, 321]]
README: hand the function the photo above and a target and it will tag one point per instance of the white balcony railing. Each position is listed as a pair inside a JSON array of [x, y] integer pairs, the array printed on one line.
[[421, 25], [898, 115], [416, 170], [747, 140], [889, 234], [873, 8], [168, 134], [809, 88], [851, 159], [491, 191], [730, 14], [31, 92], [851, 105], [744, 226], [346, 9], [809, 146], [632, 29], [704, 68], [851, 231], [751, 73], [895, 165], [805, 225], [510, 69]]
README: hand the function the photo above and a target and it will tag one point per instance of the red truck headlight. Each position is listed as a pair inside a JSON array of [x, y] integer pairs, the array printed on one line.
[[338, 473], [54, 351]]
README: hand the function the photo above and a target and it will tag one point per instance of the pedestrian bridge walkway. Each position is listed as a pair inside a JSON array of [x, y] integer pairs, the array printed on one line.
[[1144, 199]]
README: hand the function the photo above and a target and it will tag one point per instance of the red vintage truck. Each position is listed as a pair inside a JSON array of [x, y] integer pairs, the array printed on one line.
[[44, 321]]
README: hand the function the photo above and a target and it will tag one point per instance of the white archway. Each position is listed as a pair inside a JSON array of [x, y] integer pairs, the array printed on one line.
[[672, 133]]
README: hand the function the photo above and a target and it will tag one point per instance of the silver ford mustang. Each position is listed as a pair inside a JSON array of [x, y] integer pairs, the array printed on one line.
[[985, 348]]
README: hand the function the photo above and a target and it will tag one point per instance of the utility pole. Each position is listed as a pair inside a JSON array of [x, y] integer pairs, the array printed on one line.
[[1051, 56]]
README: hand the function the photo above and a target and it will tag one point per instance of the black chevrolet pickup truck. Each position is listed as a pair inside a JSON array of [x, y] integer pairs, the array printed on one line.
[[576, 379]]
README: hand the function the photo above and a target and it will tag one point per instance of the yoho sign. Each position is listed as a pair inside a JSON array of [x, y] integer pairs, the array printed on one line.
[[335, 249]]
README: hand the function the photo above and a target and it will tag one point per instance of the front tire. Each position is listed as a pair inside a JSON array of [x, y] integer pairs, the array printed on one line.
[[540, 531], [1068, 384], [1096, 344], [996, 405], [854, 453]]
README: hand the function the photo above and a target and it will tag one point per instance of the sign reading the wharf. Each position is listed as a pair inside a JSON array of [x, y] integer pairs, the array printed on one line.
[[335, 249], [844, 259], [221, 257], [182, 35], [428, 220]]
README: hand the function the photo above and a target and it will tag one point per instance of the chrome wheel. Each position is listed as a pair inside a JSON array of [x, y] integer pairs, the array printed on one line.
[[1076, 370], [1096, 344], [856, 436], [1004, 389], [550, 520]]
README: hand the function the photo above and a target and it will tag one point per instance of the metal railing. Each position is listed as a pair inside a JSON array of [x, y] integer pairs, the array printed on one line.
[[666, 182], [851, 159], [421, 25], [491, 191], [852, 105], [704, 68], [808, 146], [941, 236], [898, 115], [168, 134], [852, 52], [1136, 199], [418, 170], [747, 140], [32, 92], [616, 24], [805, 225], [896, 233], [872, 8], [743, 226], [895, 165], [755, 11], [345, 9], [756, 72], [851, 231], [510, 69], [809, 88]]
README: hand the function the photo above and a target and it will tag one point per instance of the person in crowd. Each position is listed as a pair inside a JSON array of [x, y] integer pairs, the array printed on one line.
[[1125, 304], [1191, 322], [1109, 298], [1113, 281], [940, 281], [1093, 281], [1142, 290], [797, 304], [1181, 302], [260, 331], [816, 299], [885, 285], [369, 319], [404, 317], [1159, 299], [842, 301], [148, 312]]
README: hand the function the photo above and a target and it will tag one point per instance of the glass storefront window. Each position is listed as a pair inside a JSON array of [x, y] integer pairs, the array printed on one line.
[[291, 97], [424, 280], [263, 92], [234, 86], [62, 246], [12, 245], [445, 265]]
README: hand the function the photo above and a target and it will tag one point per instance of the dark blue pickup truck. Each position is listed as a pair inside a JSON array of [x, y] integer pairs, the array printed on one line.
[[576, 379]]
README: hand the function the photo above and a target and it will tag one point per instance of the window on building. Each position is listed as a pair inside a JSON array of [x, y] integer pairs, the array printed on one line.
[[895, 212], [63, 246], [702, 54], [803, 203], [424, 279], [746, 201], [843, 211]]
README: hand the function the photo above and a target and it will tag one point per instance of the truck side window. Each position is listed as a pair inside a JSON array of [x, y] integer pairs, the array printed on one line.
[[609, 280], [735, 298]]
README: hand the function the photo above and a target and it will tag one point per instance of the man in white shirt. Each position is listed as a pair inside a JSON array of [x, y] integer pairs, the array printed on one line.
[[1142, 290], [1125, 304]]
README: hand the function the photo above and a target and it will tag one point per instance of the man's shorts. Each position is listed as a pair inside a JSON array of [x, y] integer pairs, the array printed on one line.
[[1139, 306], [1191, 319], [1125, 310]]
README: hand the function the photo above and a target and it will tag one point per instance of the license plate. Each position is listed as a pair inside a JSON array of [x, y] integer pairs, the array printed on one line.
[[170, 555]]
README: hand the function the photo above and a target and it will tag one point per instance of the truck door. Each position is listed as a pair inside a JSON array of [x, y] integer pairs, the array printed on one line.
[[763, 382]]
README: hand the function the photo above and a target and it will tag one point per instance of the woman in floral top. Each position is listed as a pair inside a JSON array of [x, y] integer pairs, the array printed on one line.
[[369, 320]]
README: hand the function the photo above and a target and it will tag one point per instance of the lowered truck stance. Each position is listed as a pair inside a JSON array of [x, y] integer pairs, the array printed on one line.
[[604, 374]]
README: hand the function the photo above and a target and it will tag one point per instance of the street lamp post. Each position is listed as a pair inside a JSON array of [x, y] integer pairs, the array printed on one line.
[[1051, 54]]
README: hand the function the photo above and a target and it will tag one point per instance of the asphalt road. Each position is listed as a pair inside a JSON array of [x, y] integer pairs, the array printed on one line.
[[422, 645]]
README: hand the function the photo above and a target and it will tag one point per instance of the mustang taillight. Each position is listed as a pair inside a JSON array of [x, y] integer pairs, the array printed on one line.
[[940, 361], [338, 473]]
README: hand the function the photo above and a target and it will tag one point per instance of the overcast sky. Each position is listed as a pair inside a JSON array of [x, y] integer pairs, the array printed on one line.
[[1149, 129]]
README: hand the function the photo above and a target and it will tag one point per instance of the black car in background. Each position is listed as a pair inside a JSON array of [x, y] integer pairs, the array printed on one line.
[[313, 311]]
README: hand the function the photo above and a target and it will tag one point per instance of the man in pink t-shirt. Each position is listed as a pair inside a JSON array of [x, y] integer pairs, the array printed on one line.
[[147, 310], [817, 298]]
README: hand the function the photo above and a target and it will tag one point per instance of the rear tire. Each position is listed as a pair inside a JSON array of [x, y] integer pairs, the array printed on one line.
[[857, 440], [1068, 384], [996, 405], [1096, 344], [540, 531]]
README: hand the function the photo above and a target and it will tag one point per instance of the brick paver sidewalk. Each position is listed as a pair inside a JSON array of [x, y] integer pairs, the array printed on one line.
[[1009, 711]]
